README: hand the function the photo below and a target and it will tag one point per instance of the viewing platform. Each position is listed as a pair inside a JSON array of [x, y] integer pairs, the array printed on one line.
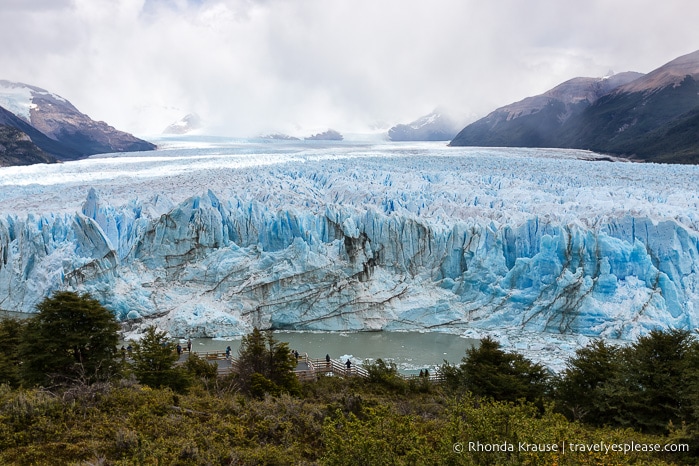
[[307, 368]]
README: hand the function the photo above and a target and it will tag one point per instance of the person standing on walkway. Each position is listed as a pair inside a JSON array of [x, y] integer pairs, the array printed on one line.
[[228, 352], [179, 349], [349, 365], [189, 345], [327, 360]]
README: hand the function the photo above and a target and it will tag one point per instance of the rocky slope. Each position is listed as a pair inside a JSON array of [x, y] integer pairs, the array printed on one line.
[[57, 127], [653, 117], [536, 121], [17, 148], [50, 146]]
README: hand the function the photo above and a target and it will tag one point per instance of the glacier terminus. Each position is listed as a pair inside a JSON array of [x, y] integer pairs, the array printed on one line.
[[208, 237]]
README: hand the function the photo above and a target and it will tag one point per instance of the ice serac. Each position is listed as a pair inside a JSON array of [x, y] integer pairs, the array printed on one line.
[[215, 267]]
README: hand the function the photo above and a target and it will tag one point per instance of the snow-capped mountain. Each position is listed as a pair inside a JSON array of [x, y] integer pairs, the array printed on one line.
[[70, 133], [652, 117], [360, 237], [435, 126], [187, 124]]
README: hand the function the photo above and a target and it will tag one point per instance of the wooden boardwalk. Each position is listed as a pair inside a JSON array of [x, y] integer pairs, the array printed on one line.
[[306, 368], [223, 363]]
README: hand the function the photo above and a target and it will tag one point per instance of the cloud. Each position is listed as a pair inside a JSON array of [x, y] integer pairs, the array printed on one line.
[[34, 5], [249, 67]]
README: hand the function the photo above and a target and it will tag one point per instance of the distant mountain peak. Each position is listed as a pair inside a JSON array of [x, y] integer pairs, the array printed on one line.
[[435, 126], [329, 135], [184, 125]]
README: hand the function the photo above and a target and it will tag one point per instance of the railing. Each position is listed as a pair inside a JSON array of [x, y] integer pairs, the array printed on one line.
[[222, 367], [210, 355], [315, 367], [318, 367], [334, 367]]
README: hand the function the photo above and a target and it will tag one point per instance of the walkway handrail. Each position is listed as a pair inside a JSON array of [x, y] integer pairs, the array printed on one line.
[[316, 367], [321, 366]]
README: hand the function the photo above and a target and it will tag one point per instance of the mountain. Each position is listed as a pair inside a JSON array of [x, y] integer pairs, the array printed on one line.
[[52, 147], [17, 148], [435, 126], [57, 127], [536, 121], [652, 117], [279, 137], [329, 135], [186, 124]]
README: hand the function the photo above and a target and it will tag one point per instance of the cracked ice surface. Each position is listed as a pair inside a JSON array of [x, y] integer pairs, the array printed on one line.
[[210, 237]]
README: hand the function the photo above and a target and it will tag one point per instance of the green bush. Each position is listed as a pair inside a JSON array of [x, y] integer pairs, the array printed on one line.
[[71, 340]]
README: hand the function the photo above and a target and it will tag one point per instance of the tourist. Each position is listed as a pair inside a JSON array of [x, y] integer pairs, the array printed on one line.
[[179, 349], [228, 352]]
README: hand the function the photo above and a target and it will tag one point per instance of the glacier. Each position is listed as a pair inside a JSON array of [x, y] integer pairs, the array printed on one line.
[[208, 237]]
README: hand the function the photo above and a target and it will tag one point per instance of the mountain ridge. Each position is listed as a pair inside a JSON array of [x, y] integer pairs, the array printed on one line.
[[654, 117], [435, 126], [57, 127]]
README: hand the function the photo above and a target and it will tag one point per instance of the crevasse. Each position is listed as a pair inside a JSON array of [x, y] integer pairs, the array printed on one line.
[[215, 267]]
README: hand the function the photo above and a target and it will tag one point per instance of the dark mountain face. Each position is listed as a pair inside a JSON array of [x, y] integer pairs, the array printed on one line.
[[16, 148], [60, 129], [51, 146], [658, 126], [649, 117], [536, 121], [61, 121]]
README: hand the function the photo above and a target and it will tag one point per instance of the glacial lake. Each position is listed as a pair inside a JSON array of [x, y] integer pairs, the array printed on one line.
[[410, 351]]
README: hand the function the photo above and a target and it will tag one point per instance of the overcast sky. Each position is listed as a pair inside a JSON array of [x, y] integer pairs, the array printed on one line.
[[249, 67]]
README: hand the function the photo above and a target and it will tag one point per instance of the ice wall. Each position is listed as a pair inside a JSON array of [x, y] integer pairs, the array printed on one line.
[[214, 267]]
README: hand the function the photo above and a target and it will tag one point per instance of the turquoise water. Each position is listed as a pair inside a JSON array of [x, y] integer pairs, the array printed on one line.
[[410, 351]]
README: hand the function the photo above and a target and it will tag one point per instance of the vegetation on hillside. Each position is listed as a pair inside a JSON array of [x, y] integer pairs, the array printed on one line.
[[496, 407]]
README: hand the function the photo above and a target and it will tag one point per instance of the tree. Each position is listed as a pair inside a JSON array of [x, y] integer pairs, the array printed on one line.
[[72, 338], [386, 374], [154, 358], [265, 365], [11, 331], [654, 384], [489, 371], [579, 389]]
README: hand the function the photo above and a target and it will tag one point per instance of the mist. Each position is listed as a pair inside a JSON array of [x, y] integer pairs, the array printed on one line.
[[251, 67]]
